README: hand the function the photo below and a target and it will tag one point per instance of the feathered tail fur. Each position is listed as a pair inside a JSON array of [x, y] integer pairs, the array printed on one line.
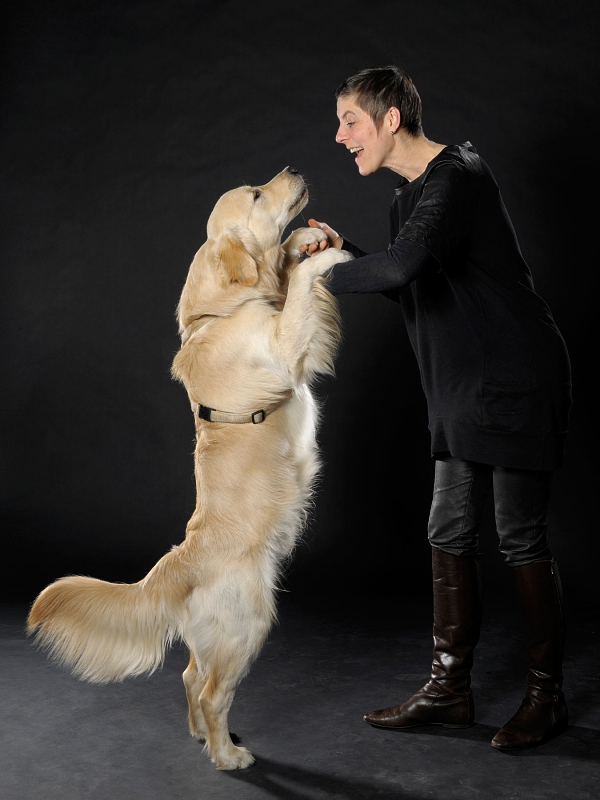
[[109, 631]]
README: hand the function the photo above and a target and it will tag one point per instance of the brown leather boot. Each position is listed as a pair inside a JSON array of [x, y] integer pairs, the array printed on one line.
[[446, 699], [543, 713]]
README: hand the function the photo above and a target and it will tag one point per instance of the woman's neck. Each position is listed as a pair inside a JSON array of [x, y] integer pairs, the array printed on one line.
[[411, 154]]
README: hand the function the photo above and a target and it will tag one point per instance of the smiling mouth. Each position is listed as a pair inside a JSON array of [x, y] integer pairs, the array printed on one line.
[[355, 150]]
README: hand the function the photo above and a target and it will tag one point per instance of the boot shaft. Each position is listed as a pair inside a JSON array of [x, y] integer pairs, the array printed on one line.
[[540, 591], [457, 612]]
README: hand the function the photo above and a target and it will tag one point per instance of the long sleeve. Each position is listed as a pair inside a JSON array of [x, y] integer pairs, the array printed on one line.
[[352, 248], [442, 218], [401, 263]]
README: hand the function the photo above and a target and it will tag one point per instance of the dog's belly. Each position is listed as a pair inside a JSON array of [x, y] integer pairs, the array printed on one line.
[[254, 481]]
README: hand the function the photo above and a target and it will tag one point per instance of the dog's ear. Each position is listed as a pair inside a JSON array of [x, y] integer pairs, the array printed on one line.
[[237, 258]]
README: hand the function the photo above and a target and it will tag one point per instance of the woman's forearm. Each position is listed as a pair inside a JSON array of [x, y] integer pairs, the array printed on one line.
[[393, 268]]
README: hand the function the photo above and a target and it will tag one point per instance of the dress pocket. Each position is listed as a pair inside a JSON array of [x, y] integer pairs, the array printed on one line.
[[525, 406]]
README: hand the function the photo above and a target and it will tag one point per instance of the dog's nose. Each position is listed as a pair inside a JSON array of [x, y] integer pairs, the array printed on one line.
[[292, 171]]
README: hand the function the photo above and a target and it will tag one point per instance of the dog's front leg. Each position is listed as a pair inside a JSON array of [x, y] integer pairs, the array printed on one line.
[[299, 321], [298, 238]]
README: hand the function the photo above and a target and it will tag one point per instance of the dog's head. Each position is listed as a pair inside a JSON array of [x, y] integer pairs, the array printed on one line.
[[242, 255]]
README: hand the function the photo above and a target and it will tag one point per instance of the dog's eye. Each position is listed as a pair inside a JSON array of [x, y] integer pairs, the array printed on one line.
[[257, 193]]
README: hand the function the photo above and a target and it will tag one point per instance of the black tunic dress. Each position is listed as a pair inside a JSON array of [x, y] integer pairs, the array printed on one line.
[[494, 366]]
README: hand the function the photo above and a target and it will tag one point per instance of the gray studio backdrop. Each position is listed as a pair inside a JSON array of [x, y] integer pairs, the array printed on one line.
[[122, 125]]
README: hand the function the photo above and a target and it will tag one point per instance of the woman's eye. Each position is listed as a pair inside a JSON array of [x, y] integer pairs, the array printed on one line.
[[349, 124]]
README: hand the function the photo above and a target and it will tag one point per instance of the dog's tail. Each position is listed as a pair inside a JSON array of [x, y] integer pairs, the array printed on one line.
[[109, 631]]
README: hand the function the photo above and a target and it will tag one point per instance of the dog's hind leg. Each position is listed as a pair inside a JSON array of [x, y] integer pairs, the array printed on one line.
[[194, 681], [216, 700], [231, 623]]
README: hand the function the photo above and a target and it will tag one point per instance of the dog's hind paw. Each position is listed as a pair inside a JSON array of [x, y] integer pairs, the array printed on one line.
[[236, 758]]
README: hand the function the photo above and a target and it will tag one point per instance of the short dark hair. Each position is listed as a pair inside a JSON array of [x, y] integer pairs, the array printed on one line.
[[378, 89]]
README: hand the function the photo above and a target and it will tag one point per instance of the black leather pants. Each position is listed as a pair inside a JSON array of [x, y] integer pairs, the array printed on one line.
[[521, 497]]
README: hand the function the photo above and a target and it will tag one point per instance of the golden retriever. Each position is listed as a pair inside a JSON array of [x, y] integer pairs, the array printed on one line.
[[257, 326]]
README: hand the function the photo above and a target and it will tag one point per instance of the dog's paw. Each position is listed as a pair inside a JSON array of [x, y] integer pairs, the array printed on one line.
[[300, 237], [321, 263], [236, 758]]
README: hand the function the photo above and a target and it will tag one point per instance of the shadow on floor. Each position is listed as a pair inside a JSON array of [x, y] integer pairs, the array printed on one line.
[[289, 782]]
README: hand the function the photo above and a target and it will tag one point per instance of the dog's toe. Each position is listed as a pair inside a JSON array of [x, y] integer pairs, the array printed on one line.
[[238, 758]]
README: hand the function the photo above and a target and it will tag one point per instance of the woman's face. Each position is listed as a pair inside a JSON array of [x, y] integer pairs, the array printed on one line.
[[358, 134]]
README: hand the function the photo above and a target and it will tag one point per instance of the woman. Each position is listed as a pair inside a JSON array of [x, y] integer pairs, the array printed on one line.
[[496, 375]]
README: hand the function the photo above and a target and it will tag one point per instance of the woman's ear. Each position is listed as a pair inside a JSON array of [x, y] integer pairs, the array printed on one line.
[[395, 119]]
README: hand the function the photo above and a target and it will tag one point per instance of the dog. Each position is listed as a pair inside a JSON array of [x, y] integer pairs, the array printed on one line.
[[257, 326]]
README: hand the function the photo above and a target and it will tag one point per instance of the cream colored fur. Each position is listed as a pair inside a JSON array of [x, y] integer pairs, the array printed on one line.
[[256, 328]]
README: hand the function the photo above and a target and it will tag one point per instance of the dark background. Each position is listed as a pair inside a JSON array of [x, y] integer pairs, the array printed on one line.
[[122, 124]]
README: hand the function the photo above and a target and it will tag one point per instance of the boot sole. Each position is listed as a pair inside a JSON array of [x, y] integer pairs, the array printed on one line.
[[519, 748], [418, 725], [528, 746]]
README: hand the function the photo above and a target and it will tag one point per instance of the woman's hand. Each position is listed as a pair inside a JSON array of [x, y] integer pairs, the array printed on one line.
[[333, 239]]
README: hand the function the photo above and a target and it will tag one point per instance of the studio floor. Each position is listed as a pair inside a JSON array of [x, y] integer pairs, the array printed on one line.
[[300, 713]]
